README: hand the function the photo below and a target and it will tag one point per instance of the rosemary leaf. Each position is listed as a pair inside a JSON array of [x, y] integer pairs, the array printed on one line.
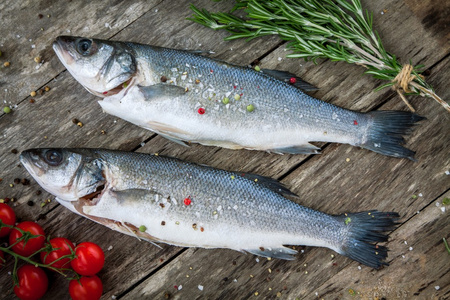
[[339, 30]]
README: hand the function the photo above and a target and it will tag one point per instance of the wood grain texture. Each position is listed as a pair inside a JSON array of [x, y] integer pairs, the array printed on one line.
[[30, 27], [411, 29]]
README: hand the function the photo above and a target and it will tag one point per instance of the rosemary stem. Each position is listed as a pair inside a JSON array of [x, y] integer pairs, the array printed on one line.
[[430, 93]]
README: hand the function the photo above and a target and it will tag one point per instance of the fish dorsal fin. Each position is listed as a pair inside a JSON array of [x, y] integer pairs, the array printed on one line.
[[279, 252], [286, 76], [161, 90], [270, 183]]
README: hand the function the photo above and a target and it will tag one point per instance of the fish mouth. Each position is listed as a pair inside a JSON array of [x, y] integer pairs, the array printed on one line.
[[62, 47], [28, 160]]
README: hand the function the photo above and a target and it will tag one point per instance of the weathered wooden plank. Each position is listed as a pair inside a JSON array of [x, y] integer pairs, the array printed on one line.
[[30, 27], [48, 123], [339, 83], [331, 184], [124, 255], [419, 268]]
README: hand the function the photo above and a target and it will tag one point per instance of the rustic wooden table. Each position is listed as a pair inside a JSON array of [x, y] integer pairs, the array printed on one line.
[[342, 178]]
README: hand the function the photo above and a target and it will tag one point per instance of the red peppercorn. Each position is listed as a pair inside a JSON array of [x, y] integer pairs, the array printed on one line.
[[201, 110], [187, 201], [355, 122], [292, 80]]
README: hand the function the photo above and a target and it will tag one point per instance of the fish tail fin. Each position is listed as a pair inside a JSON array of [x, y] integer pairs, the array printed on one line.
[[365, 230], [385, 134]]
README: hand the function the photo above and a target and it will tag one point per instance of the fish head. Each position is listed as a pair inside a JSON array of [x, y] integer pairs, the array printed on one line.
[[69, 175], [102, 67]]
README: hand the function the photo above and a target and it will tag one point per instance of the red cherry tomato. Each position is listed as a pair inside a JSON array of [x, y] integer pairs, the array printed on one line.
[[89, 259], [8, 217], [33, 244], [62, 247], [2, 259], [33, 283], [88, 288]]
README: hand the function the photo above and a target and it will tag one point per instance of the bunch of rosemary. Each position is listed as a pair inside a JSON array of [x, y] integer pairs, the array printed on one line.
[[336, 29]]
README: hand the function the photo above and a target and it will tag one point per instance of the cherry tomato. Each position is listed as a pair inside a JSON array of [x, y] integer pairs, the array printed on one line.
[[2, 259], [33, 283], [8, 217], [62, 247], [89, 259], [33, 244], [88, 288]]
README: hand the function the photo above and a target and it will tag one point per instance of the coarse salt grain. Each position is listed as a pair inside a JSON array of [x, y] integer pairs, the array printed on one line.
[[437, 287], [200, 287], [110, 248], [180, 287], [410, 248], [359, 267], [447, 172]]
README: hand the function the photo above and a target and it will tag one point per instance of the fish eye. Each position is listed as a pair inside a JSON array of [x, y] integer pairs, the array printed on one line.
[[53, 157], [84, 47]]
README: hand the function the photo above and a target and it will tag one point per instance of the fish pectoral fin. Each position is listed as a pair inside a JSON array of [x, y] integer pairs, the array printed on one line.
[[286, 77], [277, 252], [299, 149], [270, 183], [161, 91]]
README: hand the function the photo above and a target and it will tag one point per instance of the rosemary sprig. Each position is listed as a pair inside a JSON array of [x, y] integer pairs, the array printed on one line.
[[339, 30]]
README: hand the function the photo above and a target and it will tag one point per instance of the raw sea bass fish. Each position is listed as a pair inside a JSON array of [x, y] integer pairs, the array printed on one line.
[[187, 97], [162, 199]]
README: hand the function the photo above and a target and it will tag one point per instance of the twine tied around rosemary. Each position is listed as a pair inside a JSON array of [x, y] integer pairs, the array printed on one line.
[[403, 81]]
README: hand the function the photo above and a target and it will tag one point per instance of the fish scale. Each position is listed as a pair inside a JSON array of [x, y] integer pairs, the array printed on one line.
[[257, 88], [263, 112], [225, 209]]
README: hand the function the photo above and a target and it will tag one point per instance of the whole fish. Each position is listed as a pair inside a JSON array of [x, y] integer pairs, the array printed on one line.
[[162, 199], [187, 97]]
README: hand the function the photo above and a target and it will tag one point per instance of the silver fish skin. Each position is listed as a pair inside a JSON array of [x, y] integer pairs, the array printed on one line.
[[187, 97], [185, 204]]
